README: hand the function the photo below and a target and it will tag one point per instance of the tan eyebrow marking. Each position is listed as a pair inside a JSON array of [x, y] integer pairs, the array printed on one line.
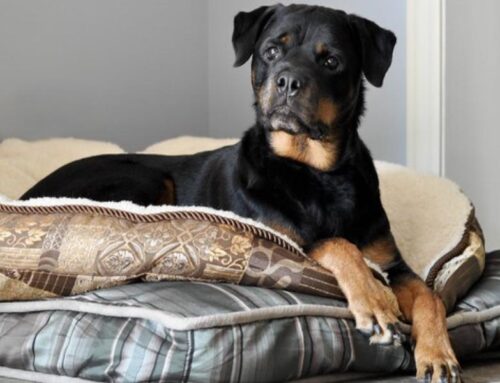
[[320, 48], [286, 38]]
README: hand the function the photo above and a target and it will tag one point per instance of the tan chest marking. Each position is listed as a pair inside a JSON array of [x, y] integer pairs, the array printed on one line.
[[320, 155]]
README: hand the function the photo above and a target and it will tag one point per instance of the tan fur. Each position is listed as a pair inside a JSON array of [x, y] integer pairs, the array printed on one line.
[[318, 154], [382, 251], [368, 298], [428, 316], [285, 39], [320, 48], [327, 111], [339, 255], [167, 196]]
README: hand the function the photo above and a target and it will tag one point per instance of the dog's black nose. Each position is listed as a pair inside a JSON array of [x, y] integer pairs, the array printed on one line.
[[287, 84]]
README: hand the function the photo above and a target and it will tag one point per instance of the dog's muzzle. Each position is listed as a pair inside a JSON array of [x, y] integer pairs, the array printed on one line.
[[285, 119], [289, 124]]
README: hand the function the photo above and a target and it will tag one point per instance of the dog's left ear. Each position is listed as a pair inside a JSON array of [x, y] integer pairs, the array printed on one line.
[[377, 45], [247, 28]]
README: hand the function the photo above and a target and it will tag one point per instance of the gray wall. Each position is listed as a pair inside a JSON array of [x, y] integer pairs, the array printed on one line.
[[472, 144], [139, 71], [129, 71], [230, 100]]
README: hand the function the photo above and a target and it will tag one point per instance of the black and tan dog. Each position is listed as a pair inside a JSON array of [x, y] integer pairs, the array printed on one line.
[[301, 169]]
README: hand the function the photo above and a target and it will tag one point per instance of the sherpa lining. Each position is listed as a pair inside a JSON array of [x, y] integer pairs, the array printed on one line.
[[430, 217], [24, 163]]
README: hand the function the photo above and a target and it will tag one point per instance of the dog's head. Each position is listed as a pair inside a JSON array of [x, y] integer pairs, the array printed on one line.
[[307, 70]]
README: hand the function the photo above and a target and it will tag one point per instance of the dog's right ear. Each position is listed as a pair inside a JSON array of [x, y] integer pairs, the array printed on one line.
[[247, 28]]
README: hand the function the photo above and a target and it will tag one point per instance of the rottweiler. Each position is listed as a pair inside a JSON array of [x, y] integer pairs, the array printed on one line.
[[301, 169]]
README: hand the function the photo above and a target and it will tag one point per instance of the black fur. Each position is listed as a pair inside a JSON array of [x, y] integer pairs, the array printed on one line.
[[302, 167], [248, 178]]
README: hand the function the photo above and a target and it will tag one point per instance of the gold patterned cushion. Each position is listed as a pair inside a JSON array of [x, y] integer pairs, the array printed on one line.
[[66, 249]]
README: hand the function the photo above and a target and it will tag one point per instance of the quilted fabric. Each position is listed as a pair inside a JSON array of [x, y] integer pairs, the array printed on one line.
[[160, 339], [199, 332]]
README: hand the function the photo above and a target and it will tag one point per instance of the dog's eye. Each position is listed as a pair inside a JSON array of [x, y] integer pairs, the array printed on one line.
[[332, 62], [271, 53]]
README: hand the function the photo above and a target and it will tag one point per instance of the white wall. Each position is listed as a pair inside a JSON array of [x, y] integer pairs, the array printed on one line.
[[472, 146], [129, 71], [230, 111], [139, 71]]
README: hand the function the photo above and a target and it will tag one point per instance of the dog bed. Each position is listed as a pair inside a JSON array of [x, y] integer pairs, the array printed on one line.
[[198, 331], [432, 220]]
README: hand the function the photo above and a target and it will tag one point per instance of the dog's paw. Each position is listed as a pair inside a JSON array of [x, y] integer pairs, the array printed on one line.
[[436, 361], [375, 310], [374, 306]]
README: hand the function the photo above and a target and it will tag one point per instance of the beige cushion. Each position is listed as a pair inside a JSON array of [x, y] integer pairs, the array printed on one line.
[[188, 145], [435, 228], [24, 163]]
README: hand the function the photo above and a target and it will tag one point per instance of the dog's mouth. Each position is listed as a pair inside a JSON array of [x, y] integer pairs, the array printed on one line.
[[284, 119]]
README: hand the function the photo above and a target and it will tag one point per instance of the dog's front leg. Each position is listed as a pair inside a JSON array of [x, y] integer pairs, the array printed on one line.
[[373, 305], [434, 355]]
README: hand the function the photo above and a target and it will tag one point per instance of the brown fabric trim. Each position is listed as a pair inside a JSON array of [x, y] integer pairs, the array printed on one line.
[[478, 229], [471, 225], [65, 282]]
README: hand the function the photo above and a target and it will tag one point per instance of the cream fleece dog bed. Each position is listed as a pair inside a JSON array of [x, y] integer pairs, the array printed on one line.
[[432, 220]]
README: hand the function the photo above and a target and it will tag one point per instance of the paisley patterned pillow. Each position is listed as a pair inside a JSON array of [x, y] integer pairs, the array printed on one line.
[[74, 246]]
